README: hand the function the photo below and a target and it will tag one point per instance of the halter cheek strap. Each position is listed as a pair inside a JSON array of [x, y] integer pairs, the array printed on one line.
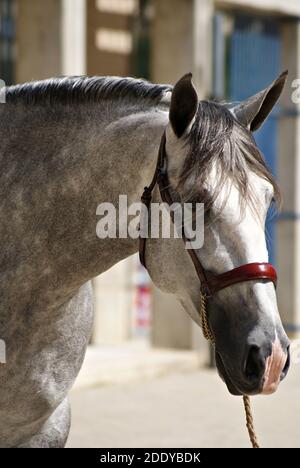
[[210, 284]]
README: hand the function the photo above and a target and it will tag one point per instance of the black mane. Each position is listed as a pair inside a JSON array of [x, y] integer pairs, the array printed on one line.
[[81, 89]]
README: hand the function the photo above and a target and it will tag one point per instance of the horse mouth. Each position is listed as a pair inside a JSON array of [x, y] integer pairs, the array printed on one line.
[[225, 377], [235, 388]]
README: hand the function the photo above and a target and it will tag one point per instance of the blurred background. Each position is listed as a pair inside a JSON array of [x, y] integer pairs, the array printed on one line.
[[234, 48]]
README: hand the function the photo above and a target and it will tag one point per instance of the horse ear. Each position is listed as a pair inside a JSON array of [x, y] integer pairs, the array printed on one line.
[[254, 111], [184, 105]]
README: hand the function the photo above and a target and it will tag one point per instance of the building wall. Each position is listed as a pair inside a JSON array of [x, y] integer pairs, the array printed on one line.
[[282, 7], [114, 302], [182, 42], [109, 37], [289, 176], [38, 39], [73, 37], [7, 41], [171, 40], [50, 39]]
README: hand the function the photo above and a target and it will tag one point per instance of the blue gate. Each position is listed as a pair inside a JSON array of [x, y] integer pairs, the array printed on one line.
[[253, 63]]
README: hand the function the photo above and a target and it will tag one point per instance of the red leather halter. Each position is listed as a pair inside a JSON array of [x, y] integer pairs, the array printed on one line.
[[210, 284]]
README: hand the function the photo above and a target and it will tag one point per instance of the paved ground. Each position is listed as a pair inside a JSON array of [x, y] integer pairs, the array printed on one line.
[[186, 409], [133, 361]]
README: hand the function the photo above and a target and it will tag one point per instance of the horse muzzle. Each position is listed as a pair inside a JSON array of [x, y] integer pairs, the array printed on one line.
[[261, 371]]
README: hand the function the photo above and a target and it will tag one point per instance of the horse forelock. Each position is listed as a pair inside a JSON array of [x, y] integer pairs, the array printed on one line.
[[219, 143]]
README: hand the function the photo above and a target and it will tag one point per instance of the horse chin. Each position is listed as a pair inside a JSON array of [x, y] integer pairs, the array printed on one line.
[[225, 377]]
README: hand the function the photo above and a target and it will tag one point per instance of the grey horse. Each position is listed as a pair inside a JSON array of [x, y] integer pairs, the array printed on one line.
[[69, 144]]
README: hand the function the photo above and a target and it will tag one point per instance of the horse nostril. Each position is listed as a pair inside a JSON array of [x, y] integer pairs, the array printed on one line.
[[287, 364], [255, 364]]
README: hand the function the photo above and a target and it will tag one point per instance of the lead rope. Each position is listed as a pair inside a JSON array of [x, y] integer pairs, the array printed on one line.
[[208, 335]]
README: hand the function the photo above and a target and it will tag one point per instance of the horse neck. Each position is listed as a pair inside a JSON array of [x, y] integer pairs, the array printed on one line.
[[112, 156], [129, 149]]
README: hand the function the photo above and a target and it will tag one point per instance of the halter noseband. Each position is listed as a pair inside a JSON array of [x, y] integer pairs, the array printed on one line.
[[210, 284]]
